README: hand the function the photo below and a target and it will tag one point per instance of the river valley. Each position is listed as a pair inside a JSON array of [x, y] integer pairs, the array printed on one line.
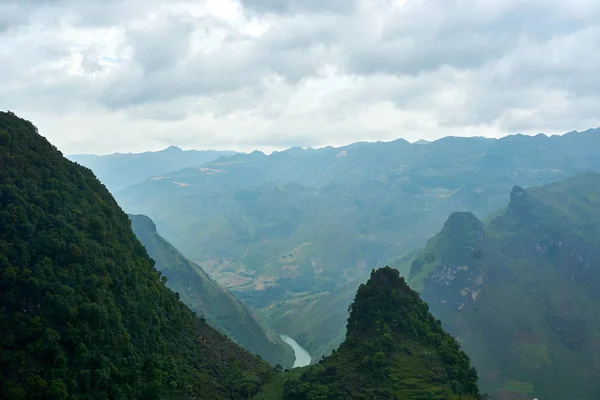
[[302, 357]]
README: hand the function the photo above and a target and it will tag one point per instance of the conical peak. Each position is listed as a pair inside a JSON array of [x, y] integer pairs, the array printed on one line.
[[386, 277], [463, 221], [519, 200]]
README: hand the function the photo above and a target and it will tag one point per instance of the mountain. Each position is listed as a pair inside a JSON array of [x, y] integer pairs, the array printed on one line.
[[522, 291], [346, 210], [394, 349], [118, 171], [86, 315], [83, 312], [318, 321], [299, 223], [205, 297], [422, 141]]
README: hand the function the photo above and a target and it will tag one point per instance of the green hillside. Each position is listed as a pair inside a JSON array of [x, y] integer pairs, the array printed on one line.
[[83, 312], [394, 349], [318, 321], [521, 292], [205, 297]]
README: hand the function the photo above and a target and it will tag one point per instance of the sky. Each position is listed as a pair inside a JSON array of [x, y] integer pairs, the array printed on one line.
[[129, 76]]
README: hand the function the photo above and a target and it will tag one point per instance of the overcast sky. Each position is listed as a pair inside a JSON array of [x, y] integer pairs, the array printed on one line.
[[106, 76]]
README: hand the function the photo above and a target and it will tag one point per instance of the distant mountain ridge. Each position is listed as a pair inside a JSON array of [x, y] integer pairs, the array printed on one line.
[[205, 297], [522, 292], [120, 170], [452, 173], [292, 224]]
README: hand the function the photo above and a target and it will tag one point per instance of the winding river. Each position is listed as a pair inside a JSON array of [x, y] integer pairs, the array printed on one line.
[[302, 356]]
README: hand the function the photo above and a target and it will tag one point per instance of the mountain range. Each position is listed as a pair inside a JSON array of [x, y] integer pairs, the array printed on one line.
[[521, 292], [293, 226], [207, 298], [273, 227], [86, 315], [120, 170]]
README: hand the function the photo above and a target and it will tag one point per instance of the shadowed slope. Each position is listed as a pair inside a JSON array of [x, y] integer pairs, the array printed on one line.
[[83, 312], [205, 297]]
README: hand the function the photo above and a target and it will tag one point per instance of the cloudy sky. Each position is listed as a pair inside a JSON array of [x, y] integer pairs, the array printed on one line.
[[111, 75]]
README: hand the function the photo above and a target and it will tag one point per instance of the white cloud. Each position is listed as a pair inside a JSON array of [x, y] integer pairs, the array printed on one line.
[[103, 76]]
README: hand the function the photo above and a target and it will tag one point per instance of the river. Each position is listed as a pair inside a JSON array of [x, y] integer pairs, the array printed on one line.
[[302, 356]]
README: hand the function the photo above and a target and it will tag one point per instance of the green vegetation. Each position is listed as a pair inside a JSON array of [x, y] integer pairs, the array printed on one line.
[[302, 223], [205, 297], [522, 293], [461, 236], [326, 311], [394, 349], [317, 321], [84, 314]]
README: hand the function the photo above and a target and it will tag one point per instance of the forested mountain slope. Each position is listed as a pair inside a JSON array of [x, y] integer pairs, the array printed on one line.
[[318, 321], [522, 292], [394, 349], [83, 312], [205, 297]]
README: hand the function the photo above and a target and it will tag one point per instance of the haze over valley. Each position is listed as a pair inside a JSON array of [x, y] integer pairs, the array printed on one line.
[[293, 234], [299, 200]]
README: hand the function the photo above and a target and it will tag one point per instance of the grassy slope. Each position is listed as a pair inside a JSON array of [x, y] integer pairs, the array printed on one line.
[[533, 329], [316, 322], [205, 297]]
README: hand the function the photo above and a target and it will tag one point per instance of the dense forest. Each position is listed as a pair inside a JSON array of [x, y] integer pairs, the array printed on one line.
[[84, 314]]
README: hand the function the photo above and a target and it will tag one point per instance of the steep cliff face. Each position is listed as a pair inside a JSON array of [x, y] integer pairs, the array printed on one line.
[[449, 270], [522, 293]]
